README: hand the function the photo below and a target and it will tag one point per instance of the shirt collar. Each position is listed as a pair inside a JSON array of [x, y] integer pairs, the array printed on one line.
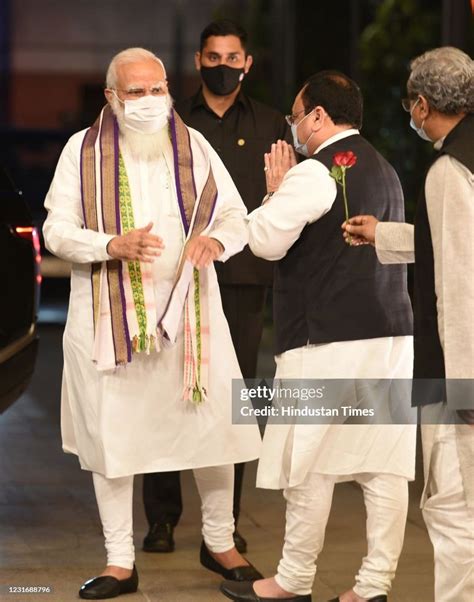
[[438, 145], [336, 137], [199, 101]]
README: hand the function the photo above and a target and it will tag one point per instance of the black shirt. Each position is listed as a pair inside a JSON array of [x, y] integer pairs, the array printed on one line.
[[240, 137]]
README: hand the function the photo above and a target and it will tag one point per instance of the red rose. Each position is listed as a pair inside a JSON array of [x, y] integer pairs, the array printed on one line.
[[340, 163], [344, 159]]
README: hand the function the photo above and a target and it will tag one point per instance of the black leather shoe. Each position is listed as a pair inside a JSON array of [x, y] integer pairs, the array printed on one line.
[[239, 573], [159, 539], [376, 599], [240, 542], [101, 588], [244, 592]]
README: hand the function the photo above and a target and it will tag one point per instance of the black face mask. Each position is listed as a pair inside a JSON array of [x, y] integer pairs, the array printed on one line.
[[222, 80]]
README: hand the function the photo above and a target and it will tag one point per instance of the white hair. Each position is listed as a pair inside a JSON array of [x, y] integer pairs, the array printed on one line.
[[130, 55], [445, 77]]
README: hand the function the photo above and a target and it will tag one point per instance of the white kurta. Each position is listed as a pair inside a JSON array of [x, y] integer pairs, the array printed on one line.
[[133, 419], [449, 192], [291, 451]]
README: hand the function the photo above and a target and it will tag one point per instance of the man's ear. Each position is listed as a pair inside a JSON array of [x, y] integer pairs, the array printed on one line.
[[424, 107], [197, 61], [248, 63], [318, 118], [108, 95]]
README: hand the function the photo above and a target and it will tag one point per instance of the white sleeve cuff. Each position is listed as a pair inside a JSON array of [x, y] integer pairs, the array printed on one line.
[[394, 242], [100, 246]]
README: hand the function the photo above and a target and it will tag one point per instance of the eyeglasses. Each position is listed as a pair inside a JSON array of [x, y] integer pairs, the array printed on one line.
[[290, 119], [407, 104], [158, 90]]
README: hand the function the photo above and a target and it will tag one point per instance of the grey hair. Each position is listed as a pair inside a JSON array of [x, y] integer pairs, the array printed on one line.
[[445, 77], [130, 55]]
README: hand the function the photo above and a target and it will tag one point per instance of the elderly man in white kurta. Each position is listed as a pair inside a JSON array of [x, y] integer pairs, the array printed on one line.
[[338, 315], [141, 206], [441, 104]]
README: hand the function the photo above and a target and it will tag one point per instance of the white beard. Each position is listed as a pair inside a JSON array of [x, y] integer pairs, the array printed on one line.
[[147, 147]]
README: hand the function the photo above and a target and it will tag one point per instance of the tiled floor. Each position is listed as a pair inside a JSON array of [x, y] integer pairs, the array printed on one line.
[[50, 532]]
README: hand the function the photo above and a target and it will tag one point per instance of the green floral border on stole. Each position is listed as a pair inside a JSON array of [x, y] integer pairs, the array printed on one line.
[[197, 395], [141, 342]]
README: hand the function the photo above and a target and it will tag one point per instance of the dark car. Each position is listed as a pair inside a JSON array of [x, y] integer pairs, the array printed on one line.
[[20, 281]]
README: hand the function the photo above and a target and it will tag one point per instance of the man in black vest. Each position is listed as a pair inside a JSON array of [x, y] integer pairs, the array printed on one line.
[[240, 129], [441, 103], [339, 314]]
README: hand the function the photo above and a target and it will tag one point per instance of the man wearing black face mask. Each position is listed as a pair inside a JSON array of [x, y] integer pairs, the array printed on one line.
[[241, 130]]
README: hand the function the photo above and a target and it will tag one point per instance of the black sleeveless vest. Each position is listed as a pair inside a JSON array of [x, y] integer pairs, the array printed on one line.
[[326, 291], [429, 357]]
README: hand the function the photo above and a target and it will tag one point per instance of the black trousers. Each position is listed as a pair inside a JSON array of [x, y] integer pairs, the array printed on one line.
[[243, 308]]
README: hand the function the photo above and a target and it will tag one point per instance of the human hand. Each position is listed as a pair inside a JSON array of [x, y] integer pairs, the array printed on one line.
[[278, 161], [203, 250], [136, 245], [360, 230]]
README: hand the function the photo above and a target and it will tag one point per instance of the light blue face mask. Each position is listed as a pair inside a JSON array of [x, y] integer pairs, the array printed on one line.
[[300, 148], [419, 130]]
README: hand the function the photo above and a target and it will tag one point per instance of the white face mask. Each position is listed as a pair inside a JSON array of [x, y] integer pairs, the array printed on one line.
[[300, 147], [148, 114], [419, 130]]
